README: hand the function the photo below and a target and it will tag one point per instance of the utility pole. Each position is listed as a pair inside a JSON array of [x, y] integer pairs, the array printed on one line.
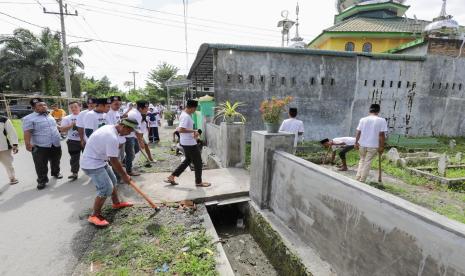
[[134, 77], [62, 13]]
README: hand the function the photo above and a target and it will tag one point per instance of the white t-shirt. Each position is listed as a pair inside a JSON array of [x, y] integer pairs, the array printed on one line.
[[94, 120], [293, 125], [185, 121], [370, 128], [135, 115], [157, 119], [113, 117], [102, 144], [80, 118], [73, 133], [349, 141]]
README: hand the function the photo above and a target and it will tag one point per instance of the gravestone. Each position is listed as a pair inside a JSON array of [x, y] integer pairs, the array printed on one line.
[[442, 165], [393, 155], [452, 144], [458, 158]]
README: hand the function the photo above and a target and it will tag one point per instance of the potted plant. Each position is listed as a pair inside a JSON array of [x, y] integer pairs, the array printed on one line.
[[229, 112], [169, 117], [271, 112]]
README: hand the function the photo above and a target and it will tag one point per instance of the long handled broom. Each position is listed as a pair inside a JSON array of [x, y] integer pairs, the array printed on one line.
[[380, 171], [140, 192]]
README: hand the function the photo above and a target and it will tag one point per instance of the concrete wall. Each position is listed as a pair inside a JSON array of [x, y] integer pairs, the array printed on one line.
[[360, 230], [334, 106], [227, 142]]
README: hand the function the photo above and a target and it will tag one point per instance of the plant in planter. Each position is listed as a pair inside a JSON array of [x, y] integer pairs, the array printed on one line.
[[169, 117], [229, 112], [271, 112]]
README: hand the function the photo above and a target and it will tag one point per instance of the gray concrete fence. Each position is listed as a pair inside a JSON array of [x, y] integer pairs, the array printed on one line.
[[357, 229], [227, 142]]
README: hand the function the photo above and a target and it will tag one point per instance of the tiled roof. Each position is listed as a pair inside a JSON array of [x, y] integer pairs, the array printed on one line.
[[388, 25]]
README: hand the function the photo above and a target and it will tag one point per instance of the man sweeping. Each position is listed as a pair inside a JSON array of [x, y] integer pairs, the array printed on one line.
[[371, 134], [341, 144], [102, 148], [188, 141]]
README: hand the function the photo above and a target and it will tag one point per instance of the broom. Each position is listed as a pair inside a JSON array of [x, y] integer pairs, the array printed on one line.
[[140, 192]]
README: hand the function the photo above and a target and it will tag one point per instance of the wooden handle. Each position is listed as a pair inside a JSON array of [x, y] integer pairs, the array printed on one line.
[[139, 191], [380, 171]]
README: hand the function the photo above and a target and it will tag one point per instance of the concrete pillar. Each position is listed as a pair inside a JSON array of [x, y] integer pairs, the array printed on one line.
[[233, 143], [263, 146]]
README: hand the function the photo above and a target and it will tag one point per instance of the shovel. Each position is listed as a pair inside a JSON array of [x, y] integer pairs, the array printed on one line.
[[380, 172], [140, 192]]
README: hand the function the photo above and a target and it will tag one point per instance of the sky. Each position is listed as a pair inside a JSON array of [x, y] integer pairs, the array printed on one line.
[[159, 25]]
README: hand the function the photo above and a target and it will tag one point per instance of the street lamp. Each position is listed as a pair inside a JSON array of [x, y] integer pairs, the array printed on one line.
[[82, 41]]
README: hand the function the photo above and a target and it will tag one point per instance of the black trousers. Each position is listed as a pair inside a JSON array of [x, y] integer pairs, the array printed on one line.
[[42, 156], [74, 150], [153, 134], [191, 154], [344, 151]]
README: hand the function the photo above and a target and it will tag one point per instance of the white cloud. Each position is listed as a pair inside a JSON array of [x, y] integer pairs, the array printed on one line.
[[98, 18]]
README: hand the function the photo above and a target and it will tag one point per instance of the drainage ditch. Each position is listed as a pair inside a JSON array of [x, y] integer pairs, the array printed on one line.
[[252, 244]]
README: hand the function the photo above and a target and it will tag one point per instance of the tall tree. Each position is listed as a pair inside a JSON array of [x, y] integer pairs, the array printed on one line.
[[162, 73]]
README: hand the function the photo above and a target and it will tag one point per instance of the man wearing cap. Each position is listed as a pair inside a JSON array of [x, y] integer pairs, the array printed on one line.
[[96, 118], [42, 138], [68, 125], [371, 134], [114, 116], [80, 120], [188, 140], [292, 125], [135, 140], [102, 148]]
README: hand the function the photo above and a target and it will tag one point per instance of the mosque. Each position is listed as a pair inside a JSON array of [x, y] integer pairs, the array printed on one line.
[[381, 26]]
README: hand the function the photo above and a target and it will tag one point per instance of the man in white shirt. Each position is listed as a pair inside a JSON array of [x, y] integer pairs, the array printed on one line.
[[135, 140], [103, 148], [371, 134], [344, 144], [292, 125], [90, 105], [153, 121], [68, 124], [96, 118], [114, 115], [188, 140]]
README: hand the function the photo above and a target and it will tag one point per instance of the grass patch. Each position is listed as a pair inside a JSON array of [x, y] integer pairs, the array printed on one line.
[[136, 244], [18, 125]]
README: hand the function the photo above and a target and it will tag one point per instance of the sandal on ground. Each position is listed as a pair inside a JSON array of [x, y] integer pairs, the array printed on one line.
[[98, 220], [134, 174], [203, 184], [172, 182], [14, 181], [122, 205]]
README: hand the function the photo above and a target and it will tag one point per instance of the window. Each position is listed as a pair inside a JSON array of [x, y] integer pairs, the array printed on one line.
[[399, 84], [374, 83], [332, 81], [447, 86], [460, 86], [440, 85], [350, 47], [262, 79], [283, 80], [414, 85], [251, 79], [273, 80], [322, 81], [228, 77], [433, 85], [312, 81], [366, 82], [367, 47], [240, 79], [391, 84], [293, 81], [382, 83], [408, 84], [453, 86]]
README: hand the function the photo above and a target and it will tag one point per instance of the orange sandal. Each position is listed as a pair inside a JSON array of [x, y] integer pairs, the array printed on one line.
[[122, 205]]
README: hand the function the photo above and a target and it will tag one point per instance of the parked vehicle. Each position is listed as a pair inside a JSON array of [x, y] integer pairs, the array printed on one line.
[[18, 111]]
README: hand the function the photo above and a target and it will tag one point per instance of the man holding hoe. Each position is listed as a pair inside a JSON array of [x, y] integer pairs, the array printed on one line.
[[102, 148]]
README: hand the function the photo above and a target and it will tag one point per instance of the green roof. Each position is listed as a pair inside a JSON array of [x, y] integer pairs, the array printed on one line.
[[388, 25], [400, 9]]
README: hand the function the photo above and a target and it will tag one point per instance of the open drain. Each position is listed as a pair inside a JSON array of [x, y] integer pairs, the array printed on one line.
[[243, 252]]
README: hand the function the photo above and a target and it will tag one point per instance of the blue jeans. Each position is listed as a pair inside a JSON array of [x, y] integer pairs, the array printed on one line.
[[104, 180], [131, 148]]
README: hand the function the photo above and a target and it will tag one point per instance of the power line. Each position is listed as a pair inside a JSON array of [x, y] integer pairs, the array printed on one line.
[[100, 40]]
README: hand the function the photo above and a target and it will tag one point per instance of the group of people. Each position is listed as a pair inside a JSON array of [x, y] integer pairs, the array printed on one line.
[[369, 140]]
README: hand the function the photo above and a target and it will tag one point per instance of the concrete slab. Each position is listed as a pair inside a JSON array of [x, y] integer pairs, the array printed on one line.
[[226, 183]]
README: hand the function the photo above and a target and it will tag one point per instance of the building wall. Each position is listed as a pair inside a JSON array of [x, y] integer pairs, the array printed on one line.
[[360, 230], [332, 93], [380, 45]]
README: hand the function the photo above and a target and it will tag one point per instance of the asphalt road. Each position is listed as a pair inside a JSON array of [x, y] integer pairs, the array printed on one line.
[[43, 232]]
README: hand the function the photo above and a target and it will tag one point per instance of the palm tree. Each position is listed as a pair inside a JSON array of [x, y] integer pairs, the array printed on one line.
[[32, 63]]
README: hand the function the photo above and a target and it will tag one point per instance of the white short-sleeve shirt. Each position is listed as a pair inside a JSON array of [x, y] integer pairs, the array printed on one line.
[[370, 128], [101, 145], [113, 117], [293, 125], [80, 118], [94, 120], [185, 121], [73, 133], [349, 141]]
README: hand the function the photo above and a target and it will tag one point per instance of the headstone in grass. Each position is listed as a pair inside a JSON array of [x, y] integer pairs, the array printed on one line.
[[393, 155], [452, 144], [458, 158], [442, 165]]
